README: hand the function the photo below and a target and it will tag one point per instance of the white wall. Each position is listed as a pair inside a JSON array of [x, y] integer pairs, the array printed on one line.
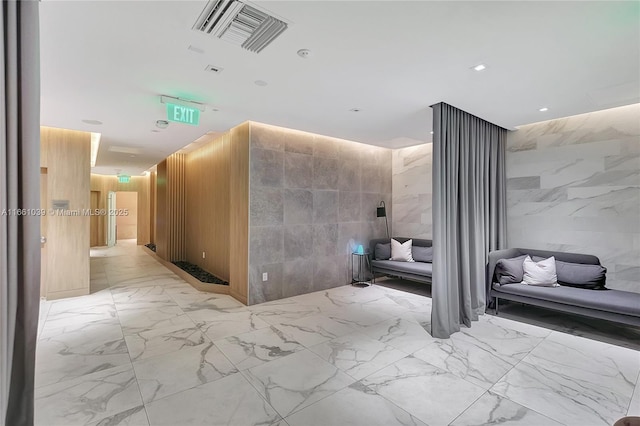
[[574, 185], [412, 192]]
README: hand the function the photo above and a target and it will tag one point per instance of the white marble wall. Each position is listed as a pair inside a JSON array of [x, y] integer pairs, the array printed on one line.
[[412, 191], [573, 184]]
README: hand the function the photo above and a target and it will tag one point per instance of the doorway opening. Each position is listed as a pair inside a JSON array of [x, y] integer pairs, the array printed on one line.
[[44, 205], [126, 216], [94, 226]]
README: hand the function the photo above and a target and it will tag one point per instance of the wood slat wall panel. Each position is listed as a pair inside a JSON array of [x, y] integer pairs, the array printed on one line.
[[161, 210], [194, 195], [170, 208], [202, 205], [207, 206], [152, 207], [239, 211], [176, 207], [66, 154], [140, 184]]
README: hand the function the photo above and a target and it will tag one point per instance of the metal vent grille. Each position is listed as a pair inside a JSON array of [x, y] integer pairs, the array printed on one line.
[[213, 68], [239, 23]]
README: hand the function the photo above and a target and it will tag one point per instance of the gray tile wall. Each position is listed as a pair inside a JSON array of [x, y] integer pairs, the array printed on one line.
[[312, 198], [573, 184], [412, 191]]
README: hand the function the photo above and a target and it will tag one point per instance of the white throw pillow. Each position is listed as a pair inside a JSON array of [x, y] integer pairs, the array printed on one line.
[[401, 252], [541, 273]]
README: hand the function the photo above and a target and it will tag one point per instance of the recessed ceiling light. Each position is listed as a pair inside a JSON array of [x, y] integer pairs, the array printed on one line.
[[195, 49], [480, 67], [124, 149], [94, 122], [355, 110], [431, 132], [543, 109], [260, 83]]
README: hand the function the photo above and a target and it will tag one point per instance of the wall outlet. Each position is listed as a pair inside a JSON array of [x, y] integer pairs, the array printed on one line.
[[204, 254], [265, 276]]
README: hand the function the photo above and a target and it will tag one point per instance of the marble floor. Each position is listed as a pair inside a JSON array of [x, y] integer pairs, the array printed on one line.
[[145, 348]]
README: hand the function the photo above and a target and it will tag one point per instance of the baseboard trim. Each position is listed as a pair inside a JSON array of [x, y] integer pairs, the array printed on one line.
[[55, 295]]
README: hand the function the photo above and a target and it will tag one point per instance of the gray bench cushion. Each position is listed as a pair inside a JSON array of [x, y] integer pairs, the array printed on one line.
[[622, 302], [417, 268]]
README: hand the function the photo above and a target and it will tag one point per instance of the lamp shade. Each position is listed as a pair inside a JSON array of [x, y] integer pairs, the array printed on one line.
[[382, 212]]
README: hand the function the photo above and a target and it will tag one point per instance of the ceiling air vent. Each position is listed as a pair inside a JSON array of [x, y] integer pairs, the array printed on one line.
[[213, 69], [239, 23]]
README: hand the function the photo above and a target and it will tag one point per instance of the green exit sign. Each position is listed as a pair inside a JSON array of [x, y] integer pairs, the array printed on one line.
[[124, 178], [183, 114]]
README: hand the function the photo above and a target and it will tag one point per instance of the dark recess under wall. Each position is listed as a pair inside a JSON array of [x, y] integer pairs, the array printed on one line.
[[199, 273]]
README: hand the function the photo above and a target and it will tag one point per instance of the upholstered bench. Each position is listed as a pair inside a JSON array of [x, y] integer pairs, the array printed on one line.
[[608, 304], [417, 271]]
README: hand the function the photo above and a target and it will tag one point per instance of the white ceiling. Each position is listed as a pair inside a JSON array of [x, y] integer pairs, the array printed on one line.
[[110, 61]]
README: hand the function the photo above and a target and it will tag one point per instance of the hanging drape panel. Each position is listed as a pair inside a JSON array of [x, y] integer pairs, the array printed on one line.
[[469, 214], [19, 203]]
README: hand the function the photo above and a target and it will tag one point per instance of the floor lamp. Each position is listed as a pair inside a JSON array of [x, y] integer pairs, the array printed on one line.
[[382, 212]]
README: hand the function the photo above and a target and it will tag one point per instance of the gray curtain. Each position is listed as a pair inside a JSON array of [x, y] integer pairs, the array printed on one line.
[[469, 214], [19, 189]]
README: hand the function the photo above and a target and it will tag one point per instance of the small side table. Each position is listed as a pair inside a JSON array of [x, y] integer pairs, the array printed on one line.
[[362, 259]]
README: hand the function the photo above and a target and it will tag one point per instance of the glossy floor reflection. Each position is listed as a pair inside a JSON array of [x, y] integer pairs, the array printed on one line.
[[147, 349]]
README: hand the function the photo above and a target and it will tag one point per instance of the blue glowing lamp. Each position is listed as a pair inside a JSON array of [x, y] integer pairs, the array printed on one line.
[[360, 249]]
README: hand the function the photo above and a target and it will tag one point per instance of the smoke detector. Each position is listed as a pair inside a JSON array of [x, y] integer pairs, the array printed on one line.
[[249, 26], [304, 53]]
